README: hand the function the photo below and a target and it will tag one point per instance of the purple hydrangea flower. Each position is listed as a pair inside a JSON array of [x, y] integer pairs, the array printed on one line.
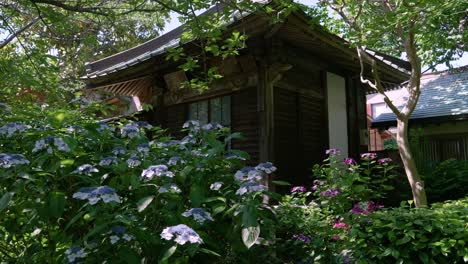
[[235, 156], [332, 151], [211, 126], [298, 189], [365, 208], [331, 192], [248, 174], [118, 233], [95, 194], [168, 143], [181, 234], [11, 160], [48, 142], [198, 215], [104, 127], [156, 170], [86, 169], [349, 161], [192, 125], [5, 107], [384, 160], [369, 155], [303, 238]]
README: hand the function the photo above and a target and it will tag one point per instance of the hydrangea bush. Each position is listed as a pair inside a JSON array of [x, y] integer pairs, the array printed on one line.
[[78, 191]]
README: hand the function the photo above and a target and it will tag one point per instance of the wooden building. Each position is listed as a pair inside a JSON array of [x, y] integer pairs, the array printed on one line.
[[293, 91]]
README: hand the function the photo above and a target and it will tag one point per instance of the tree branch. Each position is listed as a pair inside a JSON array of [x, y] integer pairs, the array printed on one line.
[[74, 8], [14, 34]]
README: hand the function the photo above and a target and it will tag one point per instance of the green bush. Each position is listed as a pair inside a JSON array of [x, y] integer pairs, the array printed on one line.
[[448, 181], [345, 225], [401, 235], [75, 190]]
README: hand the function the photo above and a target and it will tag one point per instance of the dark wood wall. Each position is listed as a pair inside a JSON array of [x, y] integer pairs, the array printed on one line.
[[244, 119], [301, 134]]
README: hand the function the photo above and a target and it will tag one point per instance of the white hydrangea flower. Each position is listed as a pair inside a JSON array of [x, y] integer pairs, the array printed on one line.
[[216, 186], [182, 234]]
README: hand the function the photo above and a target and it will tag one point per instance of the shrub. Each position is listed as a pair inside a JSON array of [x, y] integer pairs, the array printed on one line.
[[75, 190], [402, 235], [448, 181]]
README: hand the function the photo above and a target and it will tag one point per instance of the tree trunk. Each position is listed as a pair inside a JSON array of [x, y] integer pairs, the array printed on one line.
[[417, 185]]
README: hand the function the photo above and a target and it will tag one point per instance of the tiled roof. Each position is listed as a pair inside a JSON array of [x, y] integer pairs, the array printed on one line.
[[442, 95], [159, 45]]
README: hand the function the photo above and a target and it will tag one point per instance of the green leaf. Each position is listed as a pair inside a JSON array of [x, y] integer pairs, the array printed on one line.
[[169, 253], [209, 252], [67, 162], [250, 235], [56, 204], [281, 183], [5, 200], [143, 203], [249, 216]]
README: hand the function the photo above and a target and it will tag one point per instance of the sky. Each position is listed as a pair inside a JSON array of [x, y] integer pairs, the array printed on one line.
[[457, 63]]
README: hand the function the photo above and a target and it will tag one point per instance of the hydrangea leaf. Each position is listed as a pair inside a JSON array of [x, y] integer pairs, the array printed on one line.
[[168, 253], [5, 200], [56, 204], [250, 235], [143, 203]]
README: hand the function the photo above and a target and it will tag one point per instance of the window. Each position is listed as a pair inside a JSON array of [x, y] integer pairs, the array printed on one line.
[[216, 110]]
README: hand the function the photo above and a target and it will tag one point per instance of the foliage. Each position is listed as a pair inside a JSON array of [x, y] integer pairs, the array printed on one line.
[[316, 227], [315, 221], [449, 180], [75, 190], [435, 235], [390, 144], [60, 37]]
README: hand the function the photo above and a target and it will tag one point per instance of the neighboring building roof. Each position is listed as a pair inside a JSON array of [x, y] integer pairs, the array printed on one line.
[[159, 45], [444, 96]]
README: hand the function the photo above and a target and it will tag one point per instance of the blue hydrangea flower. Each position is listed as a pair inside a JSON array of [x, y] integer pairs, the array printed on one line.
[[118, 233], [248, 174], [10, 160], [168, 143], [61, 145], [250, 187], [175, 160], [169, 188], [133, 162], [118, 151], [266, 167], [104, 127], [143, 149], [86, 169], [198, 153], [235, 156], [95, 194], [216, 186], [130, 130], [156, 170], [211, 126], [5, 107], [182, 234], [144, 124], [107, 161], [13, 128], [74, 253], [48, 142], [188, 140], [192, 125], [198, 215]]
